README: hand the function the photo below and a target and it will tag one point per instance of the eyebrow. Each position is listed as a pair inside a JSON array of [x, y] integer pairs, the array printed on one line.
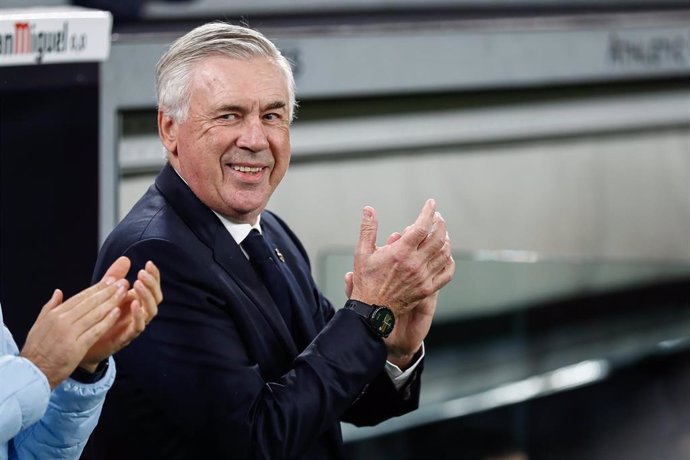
[[243, 110], [274, 105], [232, 108]]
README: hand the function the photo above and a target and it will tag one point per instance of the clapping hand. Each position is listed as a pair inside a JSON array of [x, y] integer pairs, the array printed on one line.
[[138, 309], [88, 327], [405, 274]]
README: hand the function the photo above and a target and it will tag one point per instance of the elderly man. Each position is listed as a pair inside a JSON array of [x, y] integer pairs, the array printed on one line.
[[247, 358]]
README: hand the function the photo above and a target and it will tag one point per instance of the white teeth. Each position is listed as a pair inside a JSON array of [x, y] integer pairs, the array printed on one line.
[[246, 169]]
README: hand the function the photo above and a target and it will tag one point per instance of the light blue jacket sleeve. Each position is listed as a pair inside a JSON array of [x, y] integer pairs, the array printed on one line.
[[24, 391], [36, 423]]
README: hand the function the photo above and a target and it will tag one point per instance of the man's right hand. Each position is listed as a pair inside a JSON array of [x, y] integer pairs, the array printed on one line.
[[64, 331], [404, 275], [404, 271]]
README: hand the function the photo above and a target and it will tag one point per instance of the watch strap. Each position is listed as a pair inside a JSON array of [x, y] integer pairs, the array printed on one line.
[[362, 309], [380, 319]]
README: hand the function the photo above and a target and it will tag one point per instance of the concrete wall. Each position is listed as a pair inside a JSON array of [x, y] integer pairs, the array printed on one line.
[[623, 195]]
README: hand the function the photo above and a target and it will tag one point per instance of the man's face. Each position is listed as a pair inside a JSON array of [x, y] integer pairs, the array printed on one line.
[[233, 149]]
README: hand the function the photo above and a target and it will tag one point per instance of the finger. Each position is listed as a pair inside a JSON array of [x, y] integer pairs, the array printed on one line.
[[395, 236], [422, 226], [131, 295], [135, 327], [367, 231], [139, 324], [54, 301], [151, 284], [425, 219], [146, 299], [153, 270], [151, 277], [440, 260], [435, 240], [78, 298], [92, 334], [445, 276], [119, 268], [349, 284], [91, 309]]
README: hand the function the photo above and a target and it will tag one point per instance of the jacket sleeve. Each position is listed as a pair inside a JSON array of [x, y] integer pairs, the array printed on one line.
[[194, 367], [24, 390], [380, 400], [72, 414]]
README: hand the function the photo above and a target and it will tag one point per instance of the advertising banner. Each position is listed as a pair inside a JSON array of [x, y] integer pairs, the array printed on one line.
[[53, 35]]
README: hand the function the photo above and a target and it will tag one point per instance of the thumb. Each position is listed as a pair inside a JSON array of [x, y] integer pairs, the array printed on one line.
[[55, 300], [367, 231]]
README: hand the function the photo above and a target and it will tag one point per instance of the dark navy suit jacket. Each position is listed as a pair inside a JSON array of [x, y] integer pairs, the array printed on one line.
[[217, 374]]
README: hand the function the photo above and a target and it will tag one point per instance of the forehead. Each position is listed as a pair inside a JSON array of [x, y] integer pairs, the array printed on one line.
[[231, 78]]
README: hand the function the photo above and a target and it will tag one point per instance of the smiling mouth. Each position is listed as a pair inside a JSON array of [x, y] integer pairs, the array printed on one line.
[[247, 169]]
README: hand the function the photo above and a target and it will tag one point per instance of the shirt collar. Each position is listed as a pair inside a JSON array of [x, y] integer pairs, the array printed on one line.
[[239, 231]]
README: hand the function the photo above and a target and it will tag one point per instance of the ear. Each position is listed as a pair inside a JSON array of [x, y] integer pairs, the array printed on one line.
[[167, 131]]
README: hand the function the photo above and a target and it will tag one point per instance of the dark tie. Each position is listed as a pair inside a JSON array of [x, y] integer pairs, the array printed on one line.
[[263, 261]]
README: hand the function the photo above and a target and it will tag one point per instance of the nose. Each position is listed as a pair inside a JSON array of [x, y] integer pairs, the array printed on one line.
[[253, 135]]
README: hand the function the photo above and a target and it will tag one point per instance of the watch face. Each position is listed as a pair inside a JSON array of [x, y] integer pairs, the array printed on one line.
[[383, 321]]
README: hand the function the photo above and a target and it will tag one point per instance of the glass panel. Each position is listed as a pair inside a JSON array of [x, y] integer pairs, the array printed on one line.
[[518, 327]]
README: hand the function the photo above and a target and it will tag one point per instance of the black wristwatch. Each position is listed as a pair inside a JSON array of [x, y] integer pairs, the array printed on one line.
[[379, 318]]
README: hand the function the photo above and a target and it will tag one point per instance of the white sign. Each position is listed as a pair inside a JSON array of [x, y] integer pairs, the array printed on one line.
[[53, 35]]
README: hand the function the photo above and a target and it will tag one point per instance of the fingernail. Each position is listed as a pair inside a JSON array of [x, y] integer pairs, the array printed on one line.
[[115, 312], [366, 212], [109, 280], [121, 287]]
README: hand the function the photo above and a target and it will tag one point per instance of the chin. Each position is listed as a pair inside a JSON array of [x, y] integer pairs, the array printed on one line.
[[247, 213]]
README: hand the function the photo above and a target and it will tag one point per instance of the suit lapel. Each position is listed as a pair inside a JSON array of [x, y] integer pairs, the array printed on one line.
[[228, 255], [302, 301], [226, 252]]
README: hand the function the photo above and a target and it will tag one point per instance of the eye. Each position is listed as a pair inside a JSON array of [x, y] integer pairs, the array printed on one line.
[[228, 117], [272, 116]]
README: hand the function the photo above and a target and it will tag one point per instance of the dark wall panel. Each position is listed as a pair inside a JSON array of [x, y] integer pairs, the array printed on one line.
[[48, 185]]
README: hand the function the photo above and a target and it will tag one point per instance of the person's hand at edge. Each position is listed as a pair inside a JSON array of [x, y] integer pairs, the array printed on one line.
[[64, 331], [138, 309]]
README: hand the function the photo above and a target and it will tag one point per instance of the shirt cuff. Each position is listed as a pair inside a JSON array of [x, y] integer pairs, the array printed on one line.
[[399, 377]]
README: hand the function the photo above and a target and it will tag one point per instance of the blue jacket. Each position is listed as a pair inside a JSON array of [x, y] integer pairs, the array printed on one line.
[[36, 423]]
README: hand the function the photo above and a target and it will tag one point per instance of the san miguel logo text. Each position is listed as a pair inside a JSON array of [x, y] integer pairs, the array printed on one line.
[[26, 38]]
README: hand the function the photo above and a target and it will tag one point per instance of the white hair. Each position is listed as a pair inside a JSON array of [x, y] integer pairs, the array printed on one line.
[[174, 69]]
